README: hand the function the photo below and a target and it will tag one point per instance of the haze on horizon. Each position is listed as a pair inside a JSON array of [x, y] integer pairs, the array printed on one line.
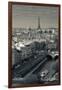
[[24, 16]]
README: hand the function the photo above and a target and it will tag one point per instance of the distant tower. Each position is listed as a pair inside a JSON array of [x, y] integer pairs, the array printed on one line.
[[39, 23]]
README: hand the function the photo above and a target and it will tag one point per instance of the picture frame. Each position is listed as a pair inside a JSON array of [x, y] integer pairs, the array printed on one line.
[[33, 44]]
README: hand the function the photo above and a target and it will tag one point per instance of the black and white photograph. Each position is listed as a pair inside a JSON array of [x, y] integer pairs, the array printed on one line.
[[35, 45]]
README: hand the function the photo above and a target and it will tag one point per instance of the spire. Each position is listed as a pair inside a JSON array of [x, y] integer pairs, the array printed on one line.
[[38, 22]]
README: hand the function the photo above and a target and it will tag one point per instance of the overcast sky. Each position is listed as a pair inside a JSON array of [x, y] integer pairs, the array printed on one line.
[[27, 16]]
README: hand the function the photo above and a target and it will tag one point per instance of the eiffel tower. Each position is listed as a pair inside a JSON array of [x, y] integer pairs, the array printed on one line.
[[39, 23]]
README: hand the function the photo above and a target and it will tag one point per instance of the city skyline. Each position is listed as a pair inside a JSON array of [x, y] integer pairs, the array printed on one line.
[[27, 16]]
